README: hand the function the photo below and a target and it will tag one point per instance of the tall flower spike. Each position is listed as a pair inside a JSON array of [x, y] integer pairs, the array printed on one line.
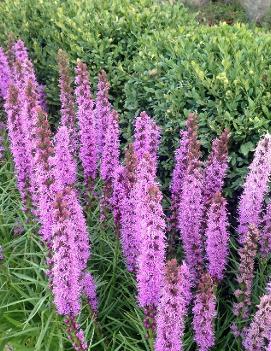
[[265, 238], [178, 177], [172, 308], [259, 331], [124, 207], [191, 205], [102, 110], [86, 120], [5, 74], [66, 271], [255, 187], [67, 110], [110, 159], [204, 312], [216, 167], [43, 173], [247, 255], [18, 145], [217, 237], [147, 137], [151, 259]]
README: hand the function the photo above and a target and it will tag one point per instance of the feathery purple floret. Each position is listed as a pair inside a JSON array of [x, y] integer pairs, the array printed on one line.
[[217, 237], [67, 110], [102, 110], [259, 331], [216, 167], [191, 205], [178, 175], [204, 313], [18, 144], [151, 236], [42, 97], [247, 254], [5, 74], [147, 137], [265, 237], [255, 187], [86, 121], [172, 308]]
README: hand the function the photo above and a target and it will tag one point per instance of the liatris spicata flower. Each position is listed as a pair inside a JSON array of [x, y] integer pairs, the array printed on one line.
[[86, 120], [67, 110], [42, 169], [102, 110], [204, 313], [66, 271], [178, 177], [5, 74], [247, 254], [124, 207], [147, 137], [258, 334], [89, 290], [110, 159], [172, 308], [265, 237], [216, 167], [217, 237], [75, 334], [18, 144], [191, 205], [151, 259], [255, 187], [65, 162]]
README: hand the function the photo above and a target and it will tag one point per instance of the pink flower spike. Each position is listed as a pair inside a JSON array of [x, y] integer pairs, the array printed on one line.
[[217, 237]]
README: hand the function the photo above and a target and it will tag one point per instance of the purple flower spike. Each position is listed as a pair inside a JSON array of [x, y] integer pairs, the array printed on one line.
[[217, 237], [204, 312], [124, 207], [18, 145], [216, 167], [102, 110], [191, 205], [172, 308], [5, 74], [259, 331], [151, 231], [255, 187], [86, 120]]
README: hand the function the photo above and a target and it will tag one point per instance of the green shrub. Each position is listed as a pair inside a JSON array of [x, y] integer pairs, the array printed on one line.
[[102, 33], [222, 72]]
